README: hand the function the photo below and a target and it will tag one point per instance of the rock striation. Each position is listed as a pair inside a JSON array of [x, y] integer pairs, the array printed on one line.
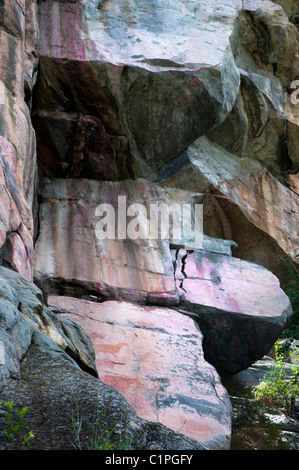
[[240, 305], [216, 100], [124, 106], [18, 169]]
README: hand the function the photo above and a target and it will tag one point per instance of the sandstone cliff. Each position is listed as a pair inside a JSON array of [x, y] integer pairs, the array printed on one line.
[[131, 105]]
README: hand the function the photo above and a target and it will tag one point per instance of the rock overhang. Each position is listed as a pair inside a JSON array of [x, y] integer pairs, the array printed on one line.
[[236, 302]]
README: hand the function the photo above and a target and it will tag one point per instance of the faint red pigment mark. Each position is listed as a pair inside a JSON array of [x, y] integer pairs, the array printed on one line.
[[109, 348]]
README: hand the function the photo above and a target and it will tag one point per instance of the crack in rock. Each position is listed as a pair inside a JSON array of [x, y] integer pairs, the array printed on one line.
[[180, 263]]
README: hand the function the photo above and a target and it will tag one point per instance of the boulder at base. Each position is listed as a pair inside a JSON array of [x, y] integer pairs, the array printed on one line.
[[47, 365], [238, 305], [154, 357]]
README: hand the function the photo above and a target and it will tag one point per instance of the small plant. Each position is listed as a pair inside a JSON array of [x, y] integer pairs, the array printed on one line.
[[100, 439], [19, 440], [75, 429], [280, 385]]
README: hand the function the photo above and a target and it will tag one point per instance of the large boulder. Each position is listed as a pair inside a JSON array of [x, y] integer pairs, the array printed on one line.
[[48, 365], [223, 219], [60, 396], [79, 263], [134, 265], [134, 85], [203, 280], [142, 95], [239, 306], [176, 102], [23, 314]]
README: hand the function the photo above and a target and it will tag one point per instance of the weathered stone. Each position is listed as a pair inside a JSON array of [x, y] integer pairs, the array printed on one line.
[[224, 220], [47, 365], [197, 97], [143, 95], [207, 167], [268, 41], [21, 313], [120, 267], [205, 279], [15, 255], [112, 268], [153, 357], [134, 93], [238, 305], [17, 138], [264, 122], [291, 7], [254, 427], [54, 389], [258, 123]]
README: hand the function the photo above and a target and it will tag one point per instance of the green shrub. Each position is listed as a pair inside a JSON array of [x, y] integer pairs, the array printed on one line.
[[99, 439], [19, 440], [280, 384]]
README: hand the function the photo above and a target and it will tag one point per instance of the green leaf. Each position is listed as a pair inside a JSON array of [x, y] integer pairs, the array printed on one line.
[[9, 434]]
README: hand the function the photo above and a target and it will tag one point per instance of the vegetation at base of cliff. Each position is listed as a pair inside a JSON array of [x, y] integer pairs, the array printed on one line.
[[278, 389], [292, 290], [116, 438], [252, 428], [15, 432], [281, 383]]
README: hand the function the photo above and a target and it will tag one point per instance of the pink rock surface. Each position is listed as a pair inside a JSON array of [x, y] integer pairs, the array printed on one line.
[[239, 306], [234, 285], [16, 255], [267, 203], [261, 198], [16, 221], [122, 269], [18, 61], [154, 357], [237, 303]]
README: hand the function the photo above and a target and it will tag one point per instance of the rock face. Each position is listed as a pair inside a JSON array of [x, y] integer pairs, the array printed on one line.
[[215, 99], [242, 181], [108, 109], [19, 37], [154, 357], [134, 63], [239, 304], [23, 315], [109, 268], [49, 367]]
